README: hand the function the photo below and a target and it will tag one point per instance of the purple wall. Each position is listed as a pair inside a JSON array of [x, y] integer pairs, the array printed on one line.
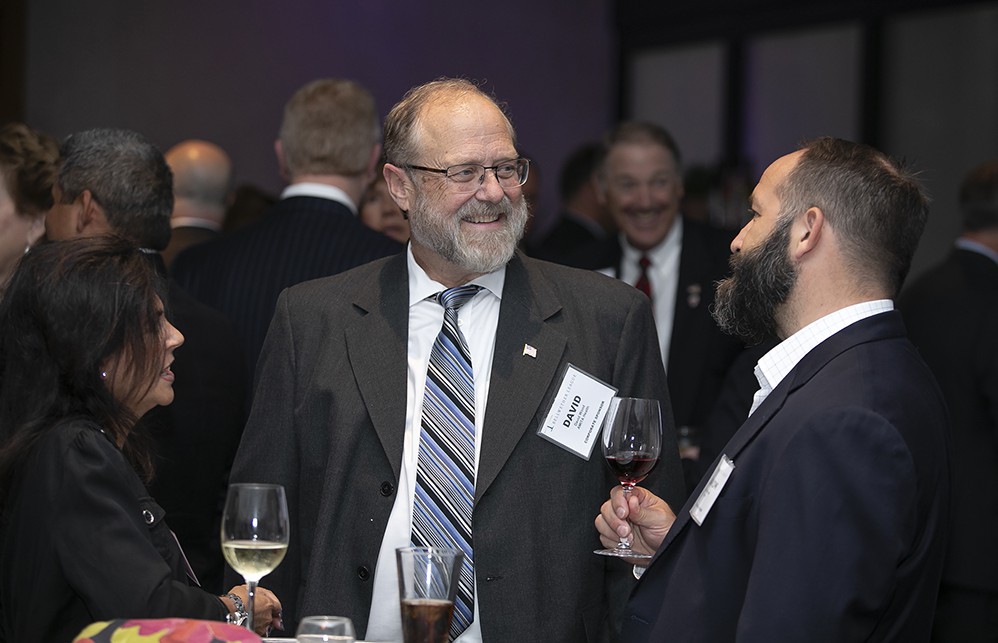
[[222, 70]]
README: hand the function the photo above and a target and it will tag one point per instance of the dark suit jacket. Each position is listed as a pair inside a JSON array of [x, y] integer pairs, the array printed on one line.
[[699, 353], [952, 315], [568, 235], [83, 541], [195, 438], [183, 237], [832, 525], [328, 422], [300, 238]]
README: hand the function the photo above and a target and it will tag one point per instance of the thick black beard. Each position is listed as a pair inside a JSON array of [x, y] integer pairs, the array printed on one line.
[[761, 280]]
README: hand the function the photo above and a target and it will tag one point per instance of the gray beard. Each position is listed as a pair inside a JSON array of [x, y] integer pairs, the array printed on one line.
[[746, 302], [476, 253]]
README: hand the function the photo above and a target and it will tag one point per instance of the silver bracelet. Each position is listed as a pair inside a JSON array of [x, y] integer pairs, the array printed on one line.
[[240, 615]]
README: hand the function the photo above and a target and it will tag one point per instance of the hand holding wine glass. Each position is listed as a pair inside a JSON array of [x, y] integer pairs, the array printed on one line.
[[632, 441], [255, 533]]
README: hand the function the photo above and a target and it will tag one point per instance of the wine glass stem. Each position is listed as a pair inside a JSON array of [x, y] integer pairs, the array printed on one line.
[[625, 542], [250, 597]]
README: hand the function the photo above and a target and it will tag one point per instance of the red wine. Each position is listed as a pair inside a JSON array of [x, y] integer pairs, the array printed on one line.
[[631, 467], [426, 620]]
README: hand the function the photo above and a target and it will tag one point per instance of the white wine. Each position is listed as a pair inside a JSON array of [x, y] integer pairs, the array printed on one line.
[[254, 559]]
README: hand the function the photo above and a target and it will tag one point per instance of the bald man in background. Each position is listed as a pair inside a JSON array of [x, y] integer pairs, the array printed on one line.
[[202, 184]]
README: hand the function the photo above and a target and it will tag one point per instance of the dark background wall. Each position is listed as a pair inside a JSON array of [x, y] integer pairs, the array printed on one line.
[[737, 81]]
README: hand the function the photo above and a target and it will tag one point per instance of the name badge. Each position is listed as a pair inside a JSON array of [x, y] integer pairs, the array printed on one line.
[[575, 419], [713, 489]]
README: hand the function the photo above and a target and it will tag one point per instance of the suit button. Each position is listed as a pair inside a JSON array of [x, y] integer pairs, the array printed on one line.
[[363, 573], [387, 489], [148, 517]]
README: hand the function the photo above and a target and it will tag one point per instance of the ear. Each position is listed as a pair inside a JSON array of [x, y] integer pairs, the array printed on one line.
[[90, 217], [399, 186], [282, 165], [806, 232]]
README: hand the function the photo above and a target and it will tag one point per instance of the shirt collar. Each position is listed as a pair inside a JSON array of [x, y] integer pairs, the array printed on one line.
[[195, 222], [778, 362], [421, 286], [319, 190], [973, 246]]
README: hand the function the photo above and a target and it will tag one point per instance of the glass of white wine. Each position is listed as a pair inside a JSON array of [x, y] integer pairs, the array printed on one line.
[[254, 533]]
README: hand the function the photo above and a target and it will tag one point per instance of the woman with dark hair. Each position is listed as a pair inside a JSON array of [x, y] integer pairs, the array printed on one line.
[[84, 352], [28, 165]]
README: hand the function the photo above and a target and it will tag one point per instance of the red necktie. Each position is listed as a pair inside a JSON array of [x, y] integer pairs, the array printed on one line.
[[643, 284]]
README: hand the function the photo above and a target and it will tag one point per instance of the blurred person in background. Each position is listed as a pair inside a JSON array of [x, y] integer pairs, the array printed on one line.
[[28, 165], [951, 313], [202, 189], [379, 212]]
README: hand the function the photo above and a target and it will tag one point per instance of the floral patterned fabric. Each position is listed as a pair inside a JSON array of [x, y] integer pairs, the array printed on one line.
[[164, 630]]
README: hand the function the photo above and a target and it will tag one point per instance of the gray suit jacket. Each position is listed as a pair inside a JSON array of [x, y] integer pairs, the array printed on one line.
[[328, 423]]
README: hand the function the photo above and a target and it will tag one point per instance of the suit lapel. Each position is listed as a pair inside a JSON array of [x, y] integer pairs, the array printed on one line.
[[377, 349], [519, 382]]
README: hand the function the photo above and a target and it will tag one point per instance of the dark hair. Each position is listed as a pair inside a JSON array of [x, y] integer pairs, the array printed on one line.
[[874, 203], [127, 176], [979, 197], [578, 169], [642, 132], [402, 144], [28, 165], [70, 309]]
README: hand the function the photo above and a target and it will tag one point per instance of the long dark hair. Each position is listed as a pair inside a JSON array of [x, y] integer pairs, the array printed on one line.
[[71, 309]]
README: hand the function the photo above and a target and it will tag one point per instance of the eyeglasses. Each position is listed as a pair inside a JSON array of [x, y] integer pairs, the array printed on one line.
[[511, 173]]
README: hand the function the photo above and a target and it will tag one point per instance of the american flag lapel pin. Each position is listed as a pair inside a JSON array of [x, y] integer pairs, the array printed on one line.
[[693, 295], [529, 350]]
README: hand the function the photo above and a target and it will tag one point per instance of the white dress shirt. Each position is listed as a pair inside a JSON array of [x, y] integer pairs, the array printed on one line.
[[319, 190], [778, 362], [663, 275], [478, 320]]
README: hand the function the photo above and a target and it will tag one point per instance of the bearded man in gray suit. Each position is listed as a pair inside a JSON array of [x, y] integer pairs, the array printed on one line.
[[339, 418]]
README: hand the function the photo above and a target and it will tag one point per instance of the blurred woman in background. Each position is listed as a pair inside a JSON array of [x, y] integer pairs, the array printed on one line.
[[28, 166]]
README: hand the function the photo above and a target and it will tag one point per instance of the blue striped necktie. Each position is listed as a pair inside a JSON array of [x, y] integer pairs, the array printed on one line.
[[445, 468]]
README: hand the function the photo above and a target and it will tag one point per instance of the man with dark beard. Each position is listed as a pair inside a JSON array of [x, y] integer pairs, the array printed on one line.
[[824, 517], [455, 354]]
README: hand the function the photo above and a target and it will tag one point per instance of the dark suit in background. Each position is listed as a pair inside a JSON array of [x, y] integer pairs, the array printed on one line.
[[301, 238], [699, 353], [952, 316], [182, 237], [196, 437], [571, 232], [329, 419], [838, 471]]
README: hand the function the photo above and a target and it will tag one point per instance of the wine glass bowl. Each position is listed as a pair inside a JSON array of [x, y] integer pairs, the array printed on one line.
[[313, 629], [631, 441], [255, 533]]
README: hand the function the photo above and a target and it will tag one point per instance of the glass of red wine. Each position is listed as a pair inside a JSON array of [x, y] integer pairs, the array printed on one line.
[[632, 440]]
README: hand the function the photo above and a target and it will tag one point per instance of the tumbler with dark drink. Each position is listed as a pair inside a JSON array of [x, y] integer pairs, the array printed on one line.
[[427, 584], [426, 619]]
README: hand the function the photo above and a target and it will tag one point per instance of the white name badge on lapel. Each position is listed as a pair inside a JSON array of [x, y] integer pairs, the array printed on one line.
[[713, 489], [575, 418]]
